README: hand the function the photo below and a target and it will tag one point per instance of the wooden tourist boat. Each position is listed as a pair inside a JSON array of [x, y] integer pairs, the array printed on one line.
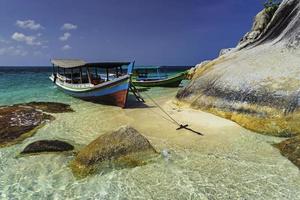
[[154, 77], [103, 82]]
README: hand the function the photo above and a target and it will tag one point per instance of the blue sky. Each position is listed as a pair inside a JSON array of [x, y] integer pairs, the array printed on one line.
[[162, 32]]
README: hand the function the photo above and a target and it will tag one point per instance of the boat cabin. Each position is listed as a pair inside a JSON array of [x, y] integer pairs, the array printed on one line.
[[150, 73], [78, 72]]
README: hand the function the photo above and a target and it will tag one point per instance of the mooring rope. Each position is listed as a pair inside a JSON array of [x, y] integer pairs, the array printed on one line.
[[162, 109], [181, 126]]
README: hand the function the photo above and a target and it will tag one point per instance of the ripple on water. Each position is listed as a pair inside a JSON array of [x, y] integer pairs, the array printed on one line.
[[237, 164]]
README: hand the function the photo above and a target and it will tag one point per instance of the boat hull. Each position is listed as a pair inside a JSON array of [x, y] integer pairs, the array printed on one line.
[[169, 82], [114, 93], [117, 98]]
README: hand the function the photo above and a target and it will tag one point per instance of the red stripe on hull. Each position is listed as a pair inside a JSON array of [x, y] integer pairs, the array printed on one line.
[[118, 98]]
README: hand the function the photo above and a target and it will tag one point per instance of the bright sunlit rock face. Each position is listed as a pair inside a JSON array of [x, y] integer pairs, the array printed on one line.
[[256, 84]]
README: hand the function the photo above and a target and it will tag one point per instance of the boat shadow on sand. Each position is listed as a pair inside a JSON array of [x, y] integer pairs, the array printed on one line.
[[132, 103]]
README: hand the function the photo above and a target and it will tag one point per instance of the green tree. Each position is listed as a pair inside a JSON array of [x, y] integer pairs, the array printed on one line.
[[271, 6]]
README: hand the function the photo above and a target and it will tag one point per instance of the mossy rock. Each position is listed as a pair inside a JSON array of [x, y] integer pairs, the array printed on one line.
[[50, 107], [21, 121], [125, 147]]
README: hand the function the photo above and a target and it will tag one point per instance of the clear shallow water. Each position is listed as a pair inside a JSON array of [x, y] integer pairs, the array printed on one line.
[[229, 162]]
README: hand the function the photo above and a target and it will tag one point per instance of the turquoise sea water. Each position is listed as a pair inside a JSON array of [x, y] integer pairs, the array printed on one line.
[[229, 162], [18, 85], [25, 84]]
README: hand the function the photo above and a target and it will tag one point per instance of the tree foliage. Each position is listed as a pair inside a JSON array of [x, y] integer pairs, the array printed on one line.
[[271, 6]]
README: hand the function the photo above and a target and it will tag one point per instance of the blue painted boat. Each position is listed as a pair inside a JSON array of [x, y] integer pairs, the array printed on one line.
[[103, 82], [156, 77]]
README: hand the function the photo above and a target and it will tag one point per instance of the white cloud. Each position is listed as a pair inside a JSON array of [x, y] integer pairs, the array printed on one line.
[[65, 37], [66, 47], [13, 51], [69, 26], [29, 24], [30, 40]]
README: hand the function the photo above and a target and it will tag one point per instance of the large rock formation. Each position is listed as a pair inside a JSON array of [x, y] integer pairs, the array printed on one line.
[[20, 121], [47, 146], [258, 83], [124, 147], [261, 21]]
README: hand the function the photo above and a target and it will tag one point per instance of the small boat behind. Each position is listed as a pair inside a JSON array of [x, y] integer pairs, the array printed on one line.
[[103, 82], [155, 77]]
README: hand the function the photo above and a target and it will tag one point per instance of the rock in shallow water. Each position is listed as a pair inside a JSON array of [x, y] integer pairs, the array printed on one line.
[[47, 146], [20, 121], [51, 107], [290, 148], [125, 147]]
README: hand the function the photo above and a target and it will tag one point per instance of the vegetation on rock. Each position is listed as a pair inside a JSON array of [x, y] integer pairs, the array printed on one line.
[[271, 6]]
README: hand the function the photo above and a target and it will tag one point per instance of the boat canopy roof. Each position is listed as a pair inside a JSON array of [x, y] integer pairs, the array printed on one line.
[[73, 63], [68, 63], [107, 64]]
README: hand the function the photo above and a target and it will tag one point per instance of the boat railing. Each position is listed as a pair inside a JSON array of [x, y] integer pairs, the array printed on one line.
[[63, 81]]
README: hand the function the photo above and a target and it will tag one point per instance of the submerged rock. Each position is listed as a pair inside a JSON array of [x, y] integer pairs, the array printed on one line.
[[124, 147], [290, 148], [50, 107], [256, 84], [47, 146], [20, 121]]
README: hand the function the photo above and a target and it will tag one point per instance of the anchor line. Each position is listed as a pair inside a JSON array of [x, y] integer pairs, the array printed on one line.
[[175, 122], [181, 126]]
